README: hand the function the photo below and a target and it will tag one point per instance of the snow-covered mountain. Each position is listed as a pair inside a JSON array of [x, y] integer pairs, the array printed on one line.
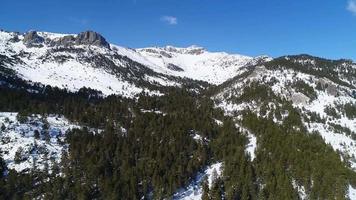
[[311, 95], [322, 91], [197, 63], [73, 61]]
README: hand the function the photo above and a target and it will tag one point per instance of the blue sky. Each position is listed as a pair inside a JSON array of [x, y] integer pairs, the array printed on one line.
[[325, 28]]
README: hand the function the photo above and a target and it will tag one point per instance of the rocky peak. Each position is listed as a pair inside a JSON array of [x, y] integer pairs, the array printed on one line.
[[91, 38], [31, 39], [194, 50], [65, 40]]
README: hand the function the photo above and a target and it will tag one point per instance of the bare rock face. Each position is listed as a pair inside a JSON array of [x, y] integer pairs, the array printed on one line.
[[327, 85], [332, 90], [174, 67], [91, 38], [300, 98], [195, 50], [32, 39], [84, 38], [15, 38], [66, 40]]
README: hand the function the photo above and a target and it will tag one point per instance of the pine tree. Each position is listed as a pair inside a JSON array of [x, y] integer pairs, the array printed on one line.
[[19, 155], [206, 190], [36, 134]]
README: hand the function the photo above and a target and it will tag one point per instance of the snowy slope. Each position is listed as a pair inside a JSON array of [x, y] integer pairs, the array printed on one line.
[[194, 190], [285, 83], [318, 89], [196, 63], [77, 66], [19, 138], [64, 61], [352, 193]]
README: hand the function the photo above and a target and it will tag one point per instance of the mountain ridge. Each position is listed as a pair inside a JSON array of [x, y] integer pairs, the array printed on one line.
[[286, 125], [86, 60]]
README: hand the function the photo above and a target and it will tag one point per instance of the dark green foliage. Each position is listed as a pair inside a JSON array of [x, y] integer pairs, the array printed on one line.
[[334, 70], [331, 111], [2, 127], [239, 180], [298, 156], [206, 189], [314, 117], [146, 148], [307, 90], [45, 131], [36, 134], [19, 155], [258, 92], [319, 86], [156, 154], [217, 189], [340, 129], [350, 110], [22, 117]]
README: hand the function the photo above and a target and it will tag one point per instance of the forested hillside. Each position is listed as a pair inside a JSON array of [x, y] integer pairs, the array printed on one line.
[[141, 124]]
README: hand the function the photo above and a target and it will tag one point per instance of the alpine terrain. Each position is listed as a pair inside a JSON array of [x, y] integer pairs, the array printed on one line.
[[81, 118]]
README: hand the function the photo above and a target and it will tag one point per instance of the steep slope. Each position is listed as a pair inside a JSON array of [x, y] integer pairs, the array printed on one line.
[[323, 91], [83, 60], [302, 94], [279, 128], [73, 61], [197, 63], [32, 142], [325, 96]]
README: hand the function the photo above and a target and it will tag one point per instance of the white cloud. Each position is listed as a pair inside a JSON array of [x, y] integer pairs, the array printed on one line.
[[170, 20], [351, 6]]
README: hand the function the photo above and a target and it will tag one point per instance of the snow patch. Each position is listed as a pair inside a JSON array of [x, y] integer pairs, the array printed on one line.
[[194, 190], [251, 146], [352, 193], [33, 151]]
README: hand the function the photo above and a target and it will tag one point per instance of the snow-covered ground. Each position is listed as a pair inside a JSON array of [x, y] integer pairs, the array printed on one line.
[[195, 63], [74, 75], [194, 190], [252, 145], [32, 151], [74, 69], [352, 193], [301, 190], [338, 141], [67, 69], [281, 83]]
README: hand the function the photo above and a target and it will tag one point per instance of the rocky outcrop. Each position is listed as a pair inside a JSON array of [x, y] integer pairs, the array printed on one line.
[[327, 85], [84, 38], [332, 90], [91, 38], [193, 50], [300, 98], [66, 40], [32, 39], [15, 38], [174, 67]]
